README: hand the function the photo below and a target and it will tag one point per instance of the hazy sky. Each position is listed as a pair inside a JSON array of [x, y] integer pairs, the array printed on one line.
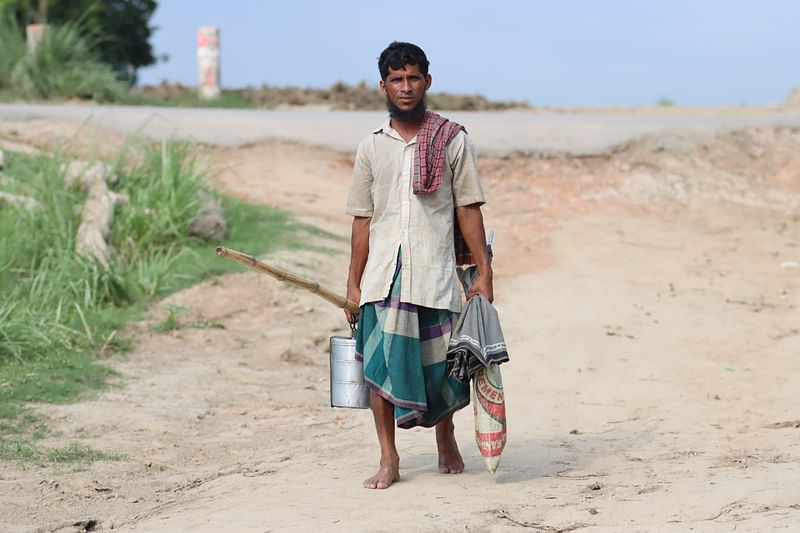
[[551, 53]]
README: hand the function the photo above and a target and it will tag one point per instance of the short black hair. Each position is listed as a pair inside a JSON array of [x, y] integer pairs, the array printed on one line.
[[399, 54]]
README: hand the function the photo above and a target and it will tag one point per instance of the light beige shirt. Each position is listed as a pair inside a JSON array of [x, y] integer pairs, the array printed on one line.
[[420, 224]]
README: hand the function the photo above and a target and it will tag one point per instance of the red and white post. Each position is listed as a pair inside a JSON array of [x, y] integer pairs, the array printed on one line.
[[35, 34], [208, 72]]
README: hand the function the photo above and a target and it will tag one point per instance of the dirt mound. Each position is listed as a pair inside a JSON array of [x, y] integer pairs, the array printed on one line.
[[794, 99], [339, 96], [530, 197], [755, 167]]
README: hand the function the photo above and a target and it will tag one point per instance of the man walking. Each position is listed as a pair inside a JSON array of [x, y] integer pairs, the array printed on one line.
[[415, 186]]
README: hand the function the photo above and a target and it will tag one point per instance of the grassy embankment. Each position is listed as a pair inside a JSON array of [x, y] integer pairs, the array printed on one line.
[[227, 99], [60, 313]]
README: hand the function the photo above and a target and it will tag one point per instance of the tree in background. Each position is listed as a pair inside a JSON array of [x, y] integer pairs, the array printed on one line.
[[120, 28]]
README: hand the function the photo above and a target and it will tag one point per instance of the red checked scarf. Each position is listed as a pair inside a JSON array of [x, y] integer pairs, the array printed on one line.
[[433, 137]]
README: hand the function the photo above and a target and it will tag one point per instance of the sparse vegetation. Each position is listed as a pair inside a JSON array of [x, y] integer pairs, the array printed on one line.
[[207, 324], [665, 102], [74, 453], [171, 322]]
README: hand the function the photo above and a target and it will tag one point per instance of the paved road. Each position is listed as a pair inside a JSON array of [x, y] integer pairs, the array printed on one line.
[[499, 133]]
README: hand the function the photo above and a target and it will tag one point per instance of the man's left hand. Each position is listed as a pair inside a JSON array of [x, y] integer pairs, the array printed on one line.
[[482, 285]]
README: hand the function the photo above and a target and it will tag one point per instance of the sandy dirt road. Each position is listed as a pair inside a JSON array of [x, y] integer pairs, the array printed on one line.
[[574, 132], [650, 301]]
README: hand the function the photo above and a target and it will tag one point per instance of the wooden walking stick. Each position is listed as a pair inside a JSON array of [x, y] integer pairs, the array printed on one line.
[[282, 275]]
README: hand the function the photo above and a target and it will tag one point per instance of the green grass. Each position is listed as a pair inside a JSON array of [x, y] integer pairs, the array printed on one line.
[[16, 420], [50, 379], [171, 322], [21, 428], [60, 313], [207, 324], [24, 450], [12, 44], [227, 99]]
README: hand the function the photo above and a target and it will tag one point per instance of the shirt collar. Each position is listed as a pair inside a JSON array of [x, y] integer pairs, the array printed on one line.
[[387, 129]]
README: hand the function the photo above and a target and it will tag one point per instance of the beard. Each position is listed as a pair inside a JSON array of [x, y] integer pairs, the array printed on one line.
[[406, 116]]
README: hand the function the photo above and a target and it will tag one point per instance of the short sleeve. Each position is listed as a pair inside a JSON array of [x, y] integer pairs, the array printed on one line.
[[359, 201], [463, 161]]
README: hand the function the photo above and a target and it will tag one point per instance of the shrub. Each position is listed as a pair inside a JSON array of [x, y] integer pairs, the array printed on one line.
[[52, 298], [12, 44], [62, 66]]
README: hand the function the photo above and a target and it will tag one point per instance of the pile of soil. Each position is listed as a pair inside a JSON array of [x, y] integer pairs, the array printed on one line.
[[794, 99], [339, 96]]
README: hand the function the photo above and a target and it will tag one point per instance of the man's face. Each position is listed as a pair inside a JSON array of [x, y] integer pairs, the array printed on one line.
[[405, 88]]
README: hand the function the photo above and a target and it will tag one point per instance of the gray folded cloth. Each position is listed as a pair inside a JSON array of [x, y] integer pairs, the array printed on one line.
[[477, 340]]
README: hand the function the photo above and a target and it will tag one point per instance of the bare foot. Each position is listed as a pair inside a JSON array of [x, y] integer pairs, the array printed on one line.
[[450, 460], [383, 479]]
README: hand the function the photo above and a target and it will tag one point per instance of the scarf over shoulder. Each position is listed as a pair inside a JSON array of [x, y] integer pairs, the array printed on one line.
[[433, 136]]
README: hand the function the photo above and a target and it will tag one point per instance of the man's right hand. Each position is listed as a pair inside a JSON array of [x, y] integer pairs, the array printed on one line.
[[354, 295]]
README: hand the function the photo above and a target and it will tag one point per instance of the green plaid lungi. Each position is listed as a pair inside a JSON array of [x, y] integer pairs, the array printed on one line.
[[404, 350]]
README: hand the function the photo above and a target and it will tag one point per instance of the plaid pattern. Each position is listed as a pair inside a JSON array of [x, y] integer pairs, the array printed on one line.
[[404, 350], [463, 253], [429, 159]]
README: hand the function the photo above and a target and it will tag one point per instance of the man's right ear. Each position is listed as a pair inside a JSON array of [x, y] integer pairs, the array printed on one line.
[[382, 87]]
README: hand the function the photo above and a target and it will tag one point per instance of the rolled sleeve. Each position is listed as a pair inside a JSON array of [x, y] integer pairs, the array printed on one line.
[[463, 161], [359, 201]]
